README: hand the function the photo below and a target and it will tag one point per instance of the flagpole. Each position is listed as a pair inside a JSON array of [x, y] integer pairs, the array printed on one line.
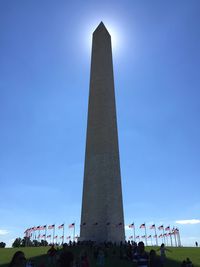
[[74, 232], [63, 232], [46, 233], [53, 232], [170, 236], [179, 239], [174, 233], [163, 235], [166, 238], [145, 234], [134, 232], [39, 235], [156, 236]]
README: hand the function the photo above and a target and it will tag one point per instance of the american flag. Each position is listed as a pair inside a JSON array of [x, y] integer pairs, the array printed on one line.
[[131, 237], [61, 226], [152, 226], [131, 225], [38, 227], [69, 237], [51, 226], [167, 228], [43, 236], [137, 237], [143, 236], [149, 236], [160, 236], [142, 225], [62, 237], [161, 227], [43, 227], [55, 237], [49, 236], [72, 225]]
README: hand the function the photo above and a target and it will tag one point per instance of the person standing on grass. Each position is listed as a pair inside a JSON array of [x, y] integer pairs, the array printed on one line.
[[162, 250], [141, 257], [101, 258], [66, 259], [18, 260], [154, 260], [52, 255]]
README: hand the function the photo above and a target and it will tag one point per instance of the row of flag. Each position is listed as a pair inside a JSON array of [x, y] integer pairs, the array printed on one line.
[[153, 226], [150, 236], [171, 232], [45, 227]]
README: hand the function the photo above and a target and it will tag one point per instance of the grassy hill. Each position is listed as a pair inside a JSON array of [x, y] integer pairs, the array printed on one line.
[[38, 254]]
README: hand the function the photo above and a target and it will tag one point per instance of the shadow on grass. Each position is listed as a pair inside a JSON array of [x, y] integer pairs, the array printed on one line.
[[38, 260], [110, 261]]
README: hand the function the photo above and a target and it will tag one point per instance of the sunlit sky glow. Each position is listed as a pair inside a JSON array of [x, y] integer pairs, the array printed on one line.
[[117, 35], [45, 49]]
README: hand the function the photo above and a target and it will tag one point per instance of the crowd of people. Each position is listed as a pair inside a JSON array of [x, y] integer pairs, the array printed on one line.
[[70, 256]]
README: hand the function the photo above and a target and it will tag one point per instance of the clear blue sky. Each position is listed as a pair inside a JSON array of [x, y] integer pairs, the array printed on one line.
[[44, 85]]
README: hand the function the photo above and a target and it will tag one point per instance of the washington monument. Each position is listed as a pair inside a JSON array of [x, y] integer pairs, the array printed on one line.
[[102, 217]]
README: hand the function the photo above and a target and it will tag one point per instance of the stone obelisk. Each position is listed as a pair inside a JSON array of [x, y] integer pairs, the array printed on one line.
[[102, 217]]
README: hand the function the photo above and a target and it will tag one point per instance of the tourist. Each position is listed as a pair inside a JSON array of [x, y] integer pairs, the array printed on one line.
[[196, 244], [52, 255], [101, 258], [162, 250], [154, 260], [66, 259], [18, 260], [141, 257], [183, 264], [84, 260], [189, 263]]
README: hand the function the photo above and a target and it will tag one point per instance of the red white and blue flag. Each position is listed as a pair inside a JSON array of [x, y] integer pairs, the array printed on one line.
[[51, 226], [61, 226], [72, 225], [152, 226]]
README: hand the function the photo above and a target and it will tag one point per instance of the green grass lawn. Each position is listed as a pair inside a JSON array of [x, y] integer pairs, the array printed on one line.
[[174, 258]]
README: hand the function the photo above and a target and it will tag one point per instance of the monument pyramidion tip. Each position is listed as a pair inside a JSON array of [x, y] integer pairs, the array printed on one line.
[[100, 28]]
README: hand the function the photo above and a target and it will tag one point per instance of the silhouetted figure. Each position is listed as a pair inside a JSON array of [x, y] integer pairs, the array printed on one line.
[[52, 255], [18, 260], [183, 264], [154, 260], [101, 258], [189, 263], [84, 260], [30, 263], [66, 259], [196, 244], [162, 253], [141, 257]]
